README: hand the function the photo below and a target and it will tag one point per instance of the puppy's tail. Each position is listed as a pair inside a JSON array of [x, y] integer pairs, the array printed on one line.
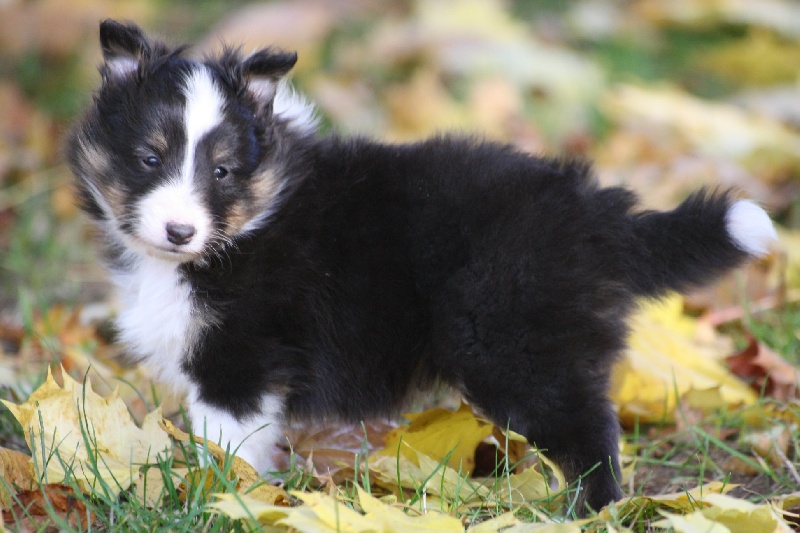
[[705, 236]]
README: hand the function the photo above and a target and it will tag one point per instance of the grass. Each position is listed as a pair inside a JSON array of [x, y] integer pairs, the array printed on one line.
[[667, 459], [672, 461]]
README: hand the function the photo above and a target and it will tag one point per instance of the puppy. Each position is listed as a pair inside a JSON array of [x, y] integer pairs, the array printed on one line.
[[274, 274]]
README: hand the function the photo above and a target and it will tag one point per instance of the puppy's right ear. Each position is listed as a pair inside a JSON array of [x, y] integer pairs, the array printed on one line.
[[124, 46], [263, 70]]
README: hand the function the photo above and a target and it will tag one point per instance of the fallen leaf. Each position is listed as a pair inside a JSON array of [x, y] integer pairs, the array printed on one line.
[[398, 473], [322, 513], [761, 59], [15, 474], [764, 146], [723, 513], [31, 508], [58, 422], [767, 412], [509, 523], [765, 370], [683, 502], [394, 520], [249, 481], [243, 507], [421, 107], [440, 433], [334, 449], [528, 485], [668, 356], [782, 16], [789, 506], [772, 445], [691, 523]]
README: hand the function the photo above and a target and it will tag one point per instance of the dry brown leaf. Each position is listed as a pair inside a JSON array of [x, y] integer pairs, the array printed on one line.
[[16, 472], [32, 508], [766, 371], [331, 449]]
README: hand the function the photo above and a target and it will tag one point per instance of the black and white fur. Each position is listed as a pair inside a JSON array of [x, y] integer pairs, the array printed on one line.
[[273, 273]]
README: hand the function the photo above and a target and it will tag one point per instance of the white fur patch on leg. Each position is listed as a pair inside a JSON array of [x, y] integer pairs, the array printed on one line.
[[750, 227], [253, 439]]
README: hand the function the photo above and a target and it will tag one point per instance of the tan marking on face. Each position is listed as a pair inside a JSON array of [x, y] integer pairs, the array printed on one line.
[[98, 166], [264, 187], [237, 217], [158, 141], [114, 196], [95, 158]]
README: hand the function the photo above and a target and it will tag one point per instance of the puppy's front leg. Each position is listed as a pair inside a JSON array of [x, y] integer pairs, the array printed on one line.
[[253, 438]]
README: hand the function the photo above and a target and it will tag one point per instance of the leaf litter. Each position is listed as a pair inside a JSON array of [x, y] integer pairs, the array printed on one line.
[[521, 84]]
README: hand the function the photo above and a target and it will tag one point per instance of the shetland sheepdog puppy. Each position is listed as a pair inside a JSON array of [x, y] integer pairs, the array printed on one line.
[[274, 273]]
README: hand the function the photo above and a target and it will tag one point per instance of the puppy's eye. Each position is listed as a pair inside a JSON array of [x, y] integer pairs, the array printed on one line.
[[220, 172], [151, 161]]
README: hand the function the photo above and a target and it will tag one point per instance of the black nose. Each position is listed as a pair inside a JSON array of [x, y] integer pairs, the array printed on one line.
[[179, 233]]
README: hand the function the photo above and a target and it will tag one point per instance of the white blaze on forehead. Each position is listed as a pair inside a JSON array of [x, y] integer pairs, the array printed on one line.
[[203, 112], [178, 200]]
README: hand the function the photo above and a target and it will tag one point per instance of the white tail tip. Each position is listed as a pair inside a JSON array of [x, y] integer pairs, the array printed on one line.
[[750, 227]]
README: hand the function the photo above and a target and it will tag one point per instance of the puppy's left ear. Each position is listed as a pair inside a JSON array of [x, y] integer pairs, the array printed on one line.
[[124, 46], [263, 70]]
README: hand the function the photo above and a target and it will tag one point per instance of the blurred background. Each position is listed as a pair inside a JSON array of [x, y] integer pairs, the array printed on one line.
[[665, 96]]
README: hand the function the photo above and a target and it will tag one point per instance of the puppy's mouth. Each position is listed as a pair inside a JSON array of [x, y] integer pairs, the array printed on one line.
[[168, 252]]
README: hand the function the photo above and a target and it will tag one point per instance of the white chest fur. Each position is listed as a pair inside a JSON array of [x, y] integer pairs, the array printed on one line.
[[157, 321]]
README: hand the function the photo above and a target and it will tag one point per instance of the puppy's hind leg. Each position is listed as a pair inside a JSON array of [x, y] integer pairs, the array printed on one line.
[[564, 414]]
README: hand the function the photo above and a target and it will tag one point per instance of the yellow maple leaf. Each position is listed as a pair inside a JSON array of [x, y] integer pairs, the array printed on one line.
[[436, 479], [666, 357], [59, 423], [439, 432], [439, 480], [321, 513], [394, 520], [724, 513], [683, 502], [243, 507], [691, 523], [509, 523]]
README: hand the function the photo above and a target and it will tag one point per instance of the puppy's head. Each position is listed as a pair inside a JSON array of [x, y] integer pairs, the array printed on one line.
[[177, 157]]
